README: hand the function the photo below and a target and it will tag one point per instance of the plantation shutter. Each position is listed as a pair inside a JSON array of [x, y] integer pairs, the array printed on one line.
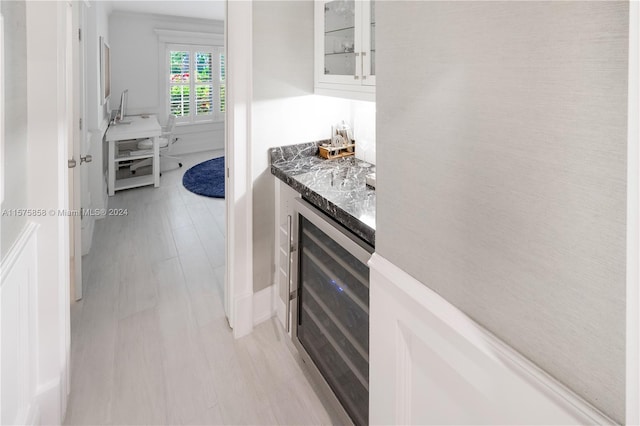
[[222, 92], [196, 83], [179, 83], [204, 83]]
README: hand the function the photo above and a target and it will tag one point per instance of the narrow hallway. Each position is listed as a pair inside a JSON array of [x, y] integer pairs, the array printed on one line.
[[150, 342]]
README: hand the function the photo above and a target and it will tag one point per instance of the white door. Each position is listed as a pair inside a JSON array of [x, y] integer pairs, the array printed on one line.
[[75, 103]]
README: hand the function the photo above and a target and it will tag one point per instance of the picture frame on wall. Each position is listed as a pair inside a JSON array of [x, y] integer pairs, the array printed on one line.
[[105, 71]]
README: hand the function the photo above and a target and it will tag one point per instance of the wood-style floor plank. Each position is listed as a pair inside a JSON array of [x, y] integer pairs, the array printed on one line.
[[150, 339], [139, 390]]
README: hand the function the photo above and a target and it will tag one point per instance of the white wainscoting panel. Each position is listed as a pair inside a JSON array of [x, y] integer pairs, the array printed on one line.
[[264, 304], [18, 322], [198, 138], [431, 364]]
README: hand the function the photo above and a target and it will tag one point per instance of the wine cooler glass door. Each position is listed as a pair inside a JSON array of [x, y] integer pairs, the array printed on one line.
[[332, 308]]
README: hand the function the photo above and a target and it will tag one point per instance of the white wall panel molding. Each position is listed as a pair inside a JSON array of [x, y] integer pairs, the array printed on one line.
[[51, 397], [199, 138], [189, 37], [264, 304], [243, 312], [238, 146], [446, 369], [18, 335]]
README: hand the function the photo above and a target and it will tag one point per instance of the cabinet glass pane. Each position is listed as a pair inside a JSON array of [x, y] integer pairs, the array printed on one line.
[[373, 37], [333, 320], [339, 37]]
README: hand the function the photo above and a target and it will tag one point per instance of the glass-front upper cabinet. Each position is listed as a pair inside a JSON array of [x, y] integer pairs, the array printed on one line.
[[345, 48]]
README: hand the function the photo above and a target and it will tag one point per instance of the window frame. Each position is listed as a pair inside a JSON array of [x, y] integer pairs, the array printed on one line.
[[193, 117], [166, 38]]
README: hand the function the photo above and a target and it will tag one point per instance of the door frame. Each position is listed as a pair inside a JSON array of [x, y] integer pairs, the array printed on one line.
[[76, 146], [239, 205], [633, 219], [48, 30]]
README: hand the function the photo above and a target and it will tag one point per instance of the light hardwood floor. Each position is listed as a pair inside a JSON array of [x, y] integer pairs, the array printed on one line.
[[150, 342]]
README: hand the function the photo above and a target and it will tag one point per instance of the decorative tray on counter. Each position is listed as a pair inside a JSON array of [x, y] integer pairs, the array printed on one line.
[[331, 152]]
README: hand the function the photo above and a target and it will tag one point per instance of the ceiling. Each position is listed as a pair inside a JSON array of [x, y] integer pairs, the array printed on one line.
[[204, 9]]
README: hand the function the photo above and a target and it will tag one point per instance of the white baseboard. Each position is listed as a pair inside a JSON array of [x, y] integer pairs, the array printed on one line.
[[32, 417], [195, 146], [50, 403], [105, 194], [281, 312], [190, 142], [87, 234], [243, 313], [264, 304], [432, 364]]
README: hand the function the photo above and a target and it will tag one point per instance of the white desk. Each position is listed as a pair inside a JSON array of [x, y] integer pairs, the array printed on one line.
[[137, 128]]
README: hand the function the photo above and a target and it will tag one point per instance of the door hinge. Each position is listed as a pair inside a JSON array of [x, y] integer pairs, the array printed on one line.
[[80, 123], [79, 34], [227, 172]]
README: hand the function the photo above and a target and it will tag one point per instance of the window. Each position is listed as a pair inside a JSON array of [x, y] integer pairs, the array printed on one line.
[[196, 83]]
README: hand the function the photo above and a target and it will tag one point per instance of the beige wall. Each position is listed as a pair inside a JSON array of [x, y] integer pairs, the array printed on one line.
[[15, 86], [284, 110], [503, 181]]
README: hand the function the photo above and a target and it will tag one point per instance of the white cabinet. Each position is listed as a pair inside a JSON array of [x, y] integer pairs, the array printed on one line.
[[135, 127], [345, 48]]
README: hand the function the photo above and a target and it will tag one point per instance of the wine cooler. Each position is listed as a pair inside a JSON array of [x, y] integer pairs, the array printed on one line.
[[331, 308]]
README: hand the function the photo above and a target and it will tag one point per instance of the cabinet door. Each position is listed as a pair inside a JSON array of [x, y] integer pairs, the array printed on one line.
[[369, 43], [338, 41], [344, 38]]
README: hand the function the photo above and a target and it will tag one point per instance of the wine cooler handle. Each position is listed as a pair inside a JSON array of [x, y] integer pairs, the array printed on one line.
[[289, 260]]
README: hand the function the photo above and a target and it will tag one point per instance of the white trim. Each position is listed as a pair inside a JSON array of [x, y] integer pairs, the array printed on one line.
[[32, 417], [494, 383], [66, 103], [193, 118], [244, 311], [49, 35], [281, 312], [360, 93], [86, 233], [633, 227], [16, 250], [239, 204], [165, 38], [264, 304], [50, 399], [189, 37], [18, 305]]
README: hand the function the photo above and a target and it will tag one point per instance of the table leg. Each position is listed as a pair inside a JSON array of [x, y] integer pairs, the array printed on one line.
[[112, 167], [156, 161]]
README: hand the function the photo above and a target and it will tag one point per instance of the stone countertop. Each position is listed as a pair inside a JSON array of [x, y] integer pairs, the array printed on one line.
[[336, 187]]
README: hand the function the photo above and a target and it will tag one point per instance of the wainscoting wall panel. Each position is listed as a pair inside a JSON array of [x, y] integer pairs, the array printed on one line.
[[18, 317], [432, 364]]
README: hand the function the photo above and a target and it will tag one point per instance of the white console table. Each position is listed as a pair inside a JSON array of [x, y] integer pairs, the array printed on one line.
[[133, 127]]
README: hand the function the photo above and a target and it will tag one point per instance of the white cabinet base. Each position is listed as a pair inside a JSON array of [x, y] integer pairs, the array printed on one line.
[[431, 364]]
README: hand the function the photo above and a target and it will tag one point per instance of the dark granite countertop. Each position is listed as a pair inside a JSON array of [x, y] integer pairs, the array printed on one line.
[[336, 187]]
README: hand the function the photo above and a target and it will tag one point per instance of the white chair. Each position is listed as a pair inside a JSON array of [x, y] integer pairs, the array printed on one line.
[[166, 141]]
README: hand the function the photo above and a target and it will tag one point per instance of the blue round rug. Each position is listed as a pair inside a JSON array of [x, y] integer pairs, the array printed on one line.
[[206, 178]]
